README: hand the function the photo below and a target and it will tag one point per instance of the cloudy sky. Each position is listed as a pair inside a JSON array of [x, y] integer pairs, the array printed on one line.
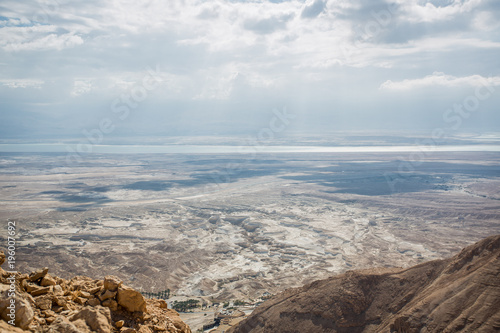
[[220, 67]]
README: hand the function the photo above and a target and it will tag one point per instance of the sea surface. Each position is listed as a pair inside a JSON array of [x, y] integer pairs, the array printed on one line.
[[226, 149]]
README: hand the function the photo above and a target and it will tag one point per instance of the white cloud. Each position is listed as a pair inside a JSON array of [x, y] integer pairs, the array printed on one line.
[[427, 11], [440, 79], [22, 83], [81, 86], [52, 41], [39, 37]]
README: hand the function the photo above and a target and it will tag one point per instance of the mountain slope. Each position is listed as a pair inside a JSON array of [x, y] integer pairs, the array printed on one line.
[[459, 294]]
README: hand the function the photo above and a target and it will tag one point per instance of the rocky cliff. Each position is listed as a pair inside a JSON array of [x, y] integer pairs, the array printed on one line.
[[459, 294], [39, 302]]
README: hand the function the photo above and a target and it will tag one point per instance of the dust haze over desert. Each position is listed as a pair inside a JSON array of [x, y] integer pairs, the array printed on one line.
[[227, 151]]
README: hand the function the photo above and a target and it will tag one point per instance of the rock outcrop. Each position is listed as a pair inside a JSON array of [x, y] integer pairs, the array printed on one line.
[[45, 303], [459, 294]]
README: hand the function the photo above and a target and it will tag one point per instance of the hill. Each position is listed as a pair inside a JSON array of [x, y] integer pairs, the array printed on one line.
[[459, 294]]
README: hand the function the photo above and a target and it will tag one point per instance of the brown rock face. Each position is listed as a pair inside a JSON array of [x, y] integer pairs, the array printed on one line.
[[460, 294]]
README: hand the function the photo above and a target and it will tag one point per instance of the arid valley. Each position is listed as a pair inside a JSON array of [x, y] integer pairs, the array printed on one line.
[[225, 227]]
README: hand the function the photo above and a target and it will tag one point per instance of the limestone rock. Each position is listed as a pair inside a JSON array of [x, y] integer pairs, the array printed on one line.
[[163, 304], [73, 306], [127, 330], [60, 301], [48, 313], [177, 321], [21, 311], [107, 294], [44, 302], [131, 299], [80, 300], [111, 304], [144, 329], [63, 325], [35, 290], [97, 318], [36, 275], [93, 301], [6, 328], [112, 283], [47, 280], [58, 291], [94, 290]]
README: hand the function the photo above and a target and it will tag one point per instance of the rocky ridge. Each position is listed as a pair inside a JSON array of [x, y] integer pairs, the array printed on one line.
[[459, 294], [49, 304]]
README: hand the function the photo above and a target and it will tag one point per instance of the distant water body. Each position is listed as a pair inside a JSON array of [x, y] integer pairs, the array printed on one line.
[[213, 149]]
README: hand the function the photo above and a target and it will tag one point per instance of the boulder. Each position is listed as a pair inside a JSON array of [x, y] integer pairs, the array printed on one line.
[[22, 308], [44, 302], [107, 294], [38, 274], [127, 330], [112, 283], [131, 299], [63, 325], [177, 321], [144, 329], [35, 290], [58, 291], [163, 304], [111, 304], [60, 301], [80, 300], [97, 318], [94, 290], [64, 307], [48, 280], [93, 302], [48, 313], [6, 328]]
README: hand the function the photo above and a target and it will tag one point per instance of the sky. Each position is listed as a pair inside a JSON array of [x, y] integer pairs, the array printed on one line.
[[144, 69]]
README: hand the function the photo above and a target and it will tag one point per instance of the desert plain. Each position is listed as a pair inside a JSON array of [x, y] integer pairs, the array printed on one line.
[[225, 227]]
